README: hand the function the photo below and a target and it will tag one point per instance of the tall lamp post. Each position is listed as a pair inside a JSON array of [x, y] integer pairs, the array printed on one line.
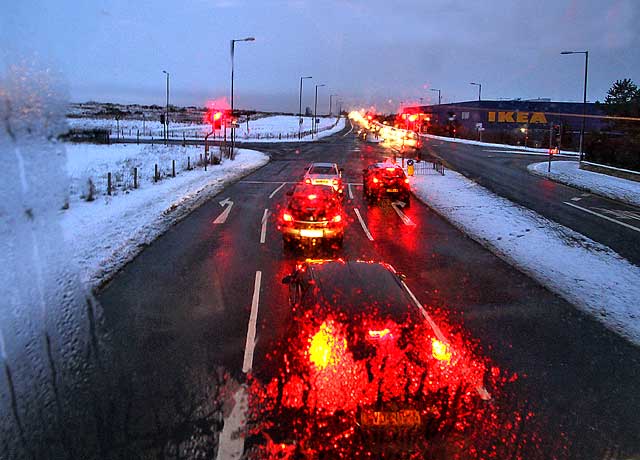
[[300, 108], [584, 97], [331, 96], [166, 112], [315, 109], [479, 85], [233, 128], [439, 97]]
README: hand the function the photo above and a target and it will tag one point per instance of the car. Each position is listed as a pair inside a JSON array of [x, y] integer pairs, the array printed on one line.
[[313, 214], [327, 174], [364, 365], [385, 179]]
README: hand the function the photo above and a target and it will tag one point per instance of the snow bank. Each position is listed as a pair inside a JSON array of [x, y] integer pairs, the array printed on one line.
[[107, 233], [502, 146], [585, 273], [568, 172]]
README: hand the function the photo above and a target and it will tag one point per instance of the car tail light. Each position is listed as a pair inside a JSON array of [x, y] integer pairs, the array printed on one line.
[[335, 181], [440, 350], [287, 217], [307, 181], [312, 196], [406, 181], [375, 180], [337, 218]]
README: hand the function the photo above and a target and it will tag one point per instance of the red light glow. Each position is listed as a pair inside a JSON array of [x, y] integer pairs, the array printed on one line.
[[287, 217]]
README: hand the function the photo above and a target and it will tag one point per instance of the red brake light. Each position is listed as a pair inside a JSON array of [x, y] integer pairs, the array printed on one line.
[[337, 218], [406, 181], [312, 196], [307, 181], [335, 181], [287, 217], [375, 180]]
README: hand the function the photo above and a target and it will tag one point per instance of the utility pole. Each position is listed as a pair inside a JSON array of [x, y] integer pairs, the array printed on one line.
[[166, 113], [300, 109], [233, 125], [315, 111], [584, 98]]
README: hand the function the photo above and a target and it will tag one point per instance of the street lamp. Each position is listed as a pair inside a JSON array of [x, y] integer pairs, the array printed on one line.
[[315, 110], [584, 98], [439, 98], [166, 113], [479, 85], [300, 108], [233, 129], [331, 96]]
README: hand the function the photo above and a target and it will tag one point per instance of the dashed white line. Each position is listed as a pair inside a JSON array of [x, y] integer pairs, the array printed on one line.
[[407, 220], [576, 198], [602, 216], [364, 226], [263, 231], [350, 192], [277, 190], [250, 344]]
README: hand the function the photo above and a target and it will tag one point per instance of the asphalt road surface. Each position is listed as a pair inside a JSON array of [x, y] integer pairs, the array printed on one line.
[[176, 319]]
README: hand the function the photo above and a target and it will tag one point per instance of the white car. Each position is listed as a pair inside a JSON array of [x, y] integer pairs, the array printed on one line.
[[324, 174]]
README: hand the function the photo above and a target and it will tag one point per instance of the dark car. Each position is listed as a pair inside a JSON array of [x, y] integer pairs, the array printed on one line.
[[364, 366], [385, 179], [313, 214]]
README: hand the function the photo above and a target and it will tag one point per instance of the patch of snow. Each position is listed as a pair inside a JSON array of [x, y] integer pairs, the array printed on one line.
[[589, 275], [107, 233], [568, 172]]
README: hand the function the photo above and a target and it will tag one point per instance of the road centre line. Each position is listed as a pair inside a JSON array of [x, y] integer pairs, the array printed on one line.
[[364, 226], [349, 130], [602, 216], [250, 344], [263, 230], [277, 190], [407, 220], [350, 192]]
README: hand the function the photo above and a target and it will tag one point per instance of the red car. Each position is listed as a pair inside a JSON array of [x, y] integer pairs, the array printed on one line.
[[380, 179], [314, 214]]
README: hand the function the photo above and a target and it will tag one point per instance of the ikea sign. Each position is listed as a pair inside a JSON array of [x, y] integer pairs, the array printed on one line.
[[518, 117]]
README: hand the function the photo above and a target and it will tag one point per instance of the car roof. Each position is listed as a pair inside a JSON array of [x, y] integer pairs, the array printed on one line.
[[360, 286], [329, 165]]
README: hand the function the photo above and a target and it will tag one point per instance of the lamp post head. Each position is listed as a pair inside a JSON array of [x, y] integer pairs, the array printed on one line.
[[164, 71], [249, 39]]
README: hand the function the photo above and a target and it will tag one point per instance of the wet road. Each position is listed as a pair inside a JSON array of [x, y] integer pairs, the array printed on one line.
[[178, 316]]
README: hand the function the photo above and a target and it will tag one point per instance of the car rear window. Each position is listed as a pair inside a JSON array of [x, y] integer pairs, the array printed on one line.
[[322, 170]]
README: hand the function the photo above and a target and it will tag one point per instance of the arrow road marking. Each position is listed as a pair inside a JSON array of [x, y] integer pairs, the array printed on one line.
[[402, 215], [222, 218], [602, 216], [263, 231], [277, 190], [350, 192], [364, 226]]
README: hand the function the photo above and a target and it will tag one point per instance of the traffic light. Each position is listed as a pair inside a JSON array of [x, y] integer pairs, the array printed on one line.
[[557, 135], [215, 119]]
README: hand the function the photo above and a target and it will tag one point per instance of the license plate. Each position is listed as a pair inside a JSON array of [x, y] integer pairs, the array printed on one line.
[[392, 190], [390, 418], [320, 181], [311, 233]]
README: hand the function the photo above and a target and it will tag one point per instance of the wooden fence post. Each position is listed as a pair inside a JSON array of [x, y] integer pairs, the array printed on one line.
[[135, 177], [155, 174], [108, 183], [173, 168]]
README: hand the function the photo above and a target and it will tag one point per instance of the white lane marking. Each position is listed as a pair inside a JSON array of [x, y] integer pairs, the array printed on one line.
[[602, 216], [277, 190], [482, 391], [576, 198], [529, 152], [222, 218], [230, 445], [406, 219], [349, 130], [250, 345], [350, 192], [264, 182], [263, 231], [364, 226]]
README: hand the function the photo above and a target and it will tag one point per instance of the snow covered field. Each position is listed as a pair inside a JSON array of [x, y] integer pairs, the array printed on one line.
[[585, 273], [278, 128], [568, 172], [106, 233]]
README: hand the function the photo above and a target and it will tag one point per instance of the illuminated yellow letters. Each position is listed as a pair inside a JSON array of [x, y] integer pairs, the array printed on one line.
[[522, 117], [538, 117], [492, 116], [505, 117]]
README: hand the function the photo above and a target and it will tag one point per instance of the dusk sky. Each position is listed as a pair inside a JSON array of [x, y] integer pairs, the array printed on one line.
[[369, 52]]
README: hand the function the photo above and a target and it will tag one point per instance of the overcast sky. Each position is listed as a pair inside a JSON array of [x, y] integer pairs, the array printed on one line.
[[370, 52]]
